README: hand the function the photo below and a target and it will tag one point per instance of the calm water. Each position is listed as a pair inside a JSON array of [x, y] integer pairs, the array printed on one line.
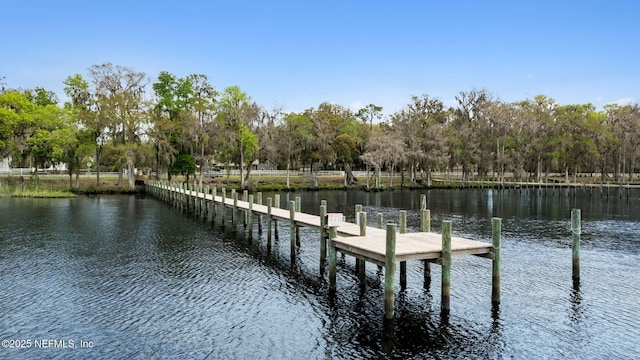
[[132, 277]]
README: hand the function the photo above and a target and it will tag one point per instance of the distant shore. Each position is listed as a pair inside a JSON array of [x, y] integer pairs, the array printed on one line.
[[58, 185]]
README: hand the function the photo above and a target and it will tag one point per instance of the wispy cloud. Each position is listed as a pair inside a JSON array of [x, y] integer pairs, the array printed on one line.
[[356, 105], [626, 101]]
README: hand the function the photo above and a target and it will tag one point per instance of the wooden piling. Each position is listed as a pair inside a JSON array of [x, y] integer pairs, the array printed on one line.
[[323, 235], [276, 225], [213, 209], [358, 209], [379, 217], [425, 226], [362, 216], [446, 268], [181, 197], [389, 271], [250, 216], [575, 235], [205, 204], [269, 206], [259, 202], [223, 208], [292, 215], [496, 236], [298, 209], [234, 212], [333, 261], [403, 264]]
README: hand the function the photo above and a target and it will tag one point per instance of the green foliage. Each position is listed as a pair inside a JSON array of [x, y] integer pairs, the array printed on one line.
[[345, 147], [248, 141], [184, 164]]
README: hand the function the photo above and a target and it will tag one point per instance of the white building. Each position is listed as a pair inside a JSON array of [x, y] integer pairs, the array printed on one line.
[[5, 164]]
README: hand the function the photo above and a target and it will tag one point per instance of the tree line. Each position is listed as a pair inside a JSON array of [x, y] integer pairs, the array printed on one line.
[[117, 119]]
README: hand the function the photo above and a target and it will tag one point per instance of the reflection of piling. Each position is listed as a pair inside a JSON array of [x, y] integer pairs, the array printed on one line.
[[575, 235]]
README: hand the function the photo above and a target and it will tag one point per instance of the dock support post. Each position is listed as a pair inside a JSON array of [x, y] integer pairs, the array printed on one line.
[[362, 216], [259, 202], [223, 208], [269, 205], [214, 193], [276, 204], [234, 212], [292, 216], [181, 197], [575, 236], [205, 207], [245, 197], [403, 264], [425, 226], [250, 217], [298, 209], [323, 234], [185, 198], [333, 261], [358, 210], [496, 237], [206, 213], [379, 218], [389, 271], [446, 269]]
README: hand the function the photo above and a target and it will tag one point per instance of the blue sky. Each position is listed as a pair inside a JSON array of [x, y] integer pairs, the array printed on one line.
[[297, 54]]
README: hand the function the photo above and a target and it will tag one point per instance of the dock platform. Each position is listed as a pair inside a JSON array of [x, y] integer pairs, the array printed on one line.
[[384, 247]]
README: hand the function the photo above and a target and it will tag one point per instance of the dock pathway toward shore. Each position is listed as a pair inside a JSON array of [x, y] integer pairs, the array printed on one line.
[[384, 247]]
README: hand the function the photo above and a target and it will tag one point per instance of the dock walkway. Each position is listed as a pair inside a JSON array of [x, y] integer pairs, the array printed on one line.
[[384, 247]]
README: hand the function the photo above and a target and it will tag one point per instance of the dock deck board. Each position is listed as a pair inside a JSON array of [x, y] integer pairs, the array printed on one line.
[[409, 246]]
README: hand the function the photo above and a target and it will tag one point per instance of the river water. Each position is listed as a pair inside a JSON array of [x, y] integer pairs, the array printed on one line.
[[131, 277]]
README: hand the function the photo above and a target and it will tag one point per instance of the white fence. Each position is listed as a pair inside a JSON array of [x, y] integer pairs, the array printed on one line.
[[274, 173]]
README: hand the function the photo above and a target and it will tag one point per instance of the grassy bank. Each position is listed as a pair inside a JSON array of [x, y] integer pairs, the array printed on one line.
[[37, 191]]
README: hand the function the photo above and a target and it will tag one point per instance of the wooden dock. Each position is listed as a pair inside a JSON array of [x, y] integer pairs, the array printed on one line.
[[384, 247]]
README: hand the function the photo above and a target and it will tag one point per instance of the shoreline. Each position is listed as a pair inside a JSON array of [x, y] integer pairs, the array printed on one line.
[[17, 186]]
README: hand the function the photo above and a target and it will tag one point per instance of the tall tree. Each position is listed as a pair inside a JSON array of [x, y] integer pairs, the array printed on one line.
[[369, 113], [469, 126], [119, 97], [236, 115]]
